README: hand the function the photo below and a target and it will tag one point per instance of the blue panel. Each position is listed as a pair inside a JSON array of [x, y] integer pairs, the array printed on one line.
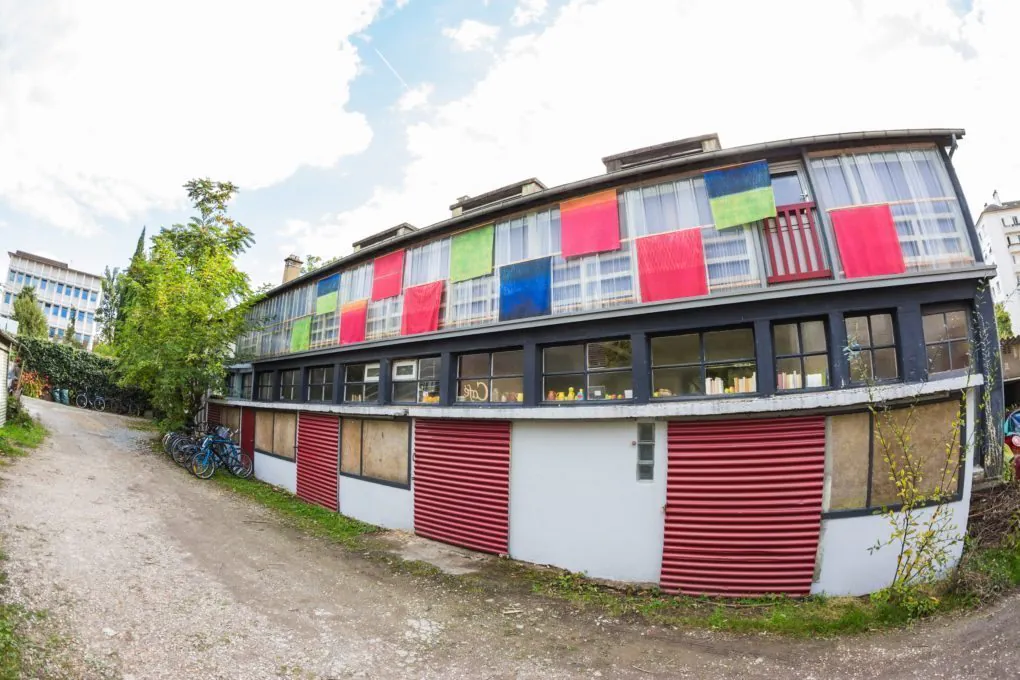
[[525, 289], [328, 285], [737, 179]]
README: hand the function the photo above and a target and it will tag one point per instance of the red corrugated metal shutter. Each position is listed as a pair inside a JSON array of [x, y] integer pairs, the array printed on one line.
[[213, 414], [743, 506], [462, 482], [317, 450]]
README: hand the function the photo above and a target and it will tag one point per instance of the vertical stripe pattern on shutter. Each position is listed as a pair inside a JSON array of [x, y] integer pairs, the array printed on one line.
[[213, 414], [317, 451]]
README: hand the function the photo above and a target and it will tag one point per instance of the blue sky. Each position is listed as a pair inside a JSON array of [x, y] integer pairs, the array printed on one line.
[[100, 126]]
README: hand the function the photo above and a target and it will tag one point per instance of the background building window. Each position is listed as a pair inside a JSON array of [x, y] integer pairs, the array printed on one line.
[[873, 343], [246, 385], [416, 381], [947, 340], [589, 372], [265, 387], [491, 377], [802, 356], [375, 450], [697, 364], [361, 383], [289, 384], [320, 383], [645, 452]]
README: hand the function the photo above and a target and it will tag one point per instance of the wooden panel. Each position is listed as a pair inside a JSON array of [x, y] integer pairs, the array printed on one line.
[[932, 434], [350, 446], [264, 431], [230, 416], [385, 450], [849, 444], [284, 434]]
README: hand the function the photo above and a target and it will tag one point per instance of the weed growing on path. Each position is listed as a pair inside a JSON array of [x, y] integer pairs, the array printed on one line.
[[20, 434]]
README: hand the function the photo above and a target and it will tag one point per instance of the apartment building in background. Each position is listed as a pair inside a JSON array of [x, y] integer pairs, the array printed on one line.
[[63, 294], [998, 229]]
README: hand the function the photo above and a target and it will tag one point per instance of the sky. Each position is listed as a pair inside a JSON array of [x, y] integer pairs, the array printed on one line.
[[339, 119]]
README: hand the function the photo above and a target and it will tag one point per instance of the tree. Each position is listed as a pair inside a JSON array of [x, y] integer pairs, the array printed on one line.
[[30, 318], [108, 313], [312, 262], [1002, 321], [70, 332], [186, 305]]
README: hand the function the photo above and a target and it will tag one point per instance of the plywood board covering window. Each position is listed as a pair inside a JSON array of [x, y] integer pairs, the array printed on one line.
[[231, 418], [384, 450], [264, 431], [350, 446], [849, 444], [284, 434]]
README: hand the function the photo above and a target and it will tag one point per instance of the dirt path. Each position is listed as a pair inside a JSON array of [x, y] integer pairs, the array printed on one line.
[[154, 574]]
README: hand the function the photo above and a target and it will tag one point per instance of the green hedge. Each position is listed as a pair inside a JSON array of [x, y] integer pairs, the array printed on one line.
[[66, 366]]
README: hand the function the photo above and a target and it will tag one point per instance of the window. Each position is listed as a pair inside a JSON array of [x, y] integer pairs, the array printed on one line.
[[527, 237], [802, 355], [94, 296], [289, 384], [265, 386], [81, 315], [698, 364], [591, 372], [416, 380], [872, 343], [60, 332], [56, 310], [75, 292], [376, 450], [86, 338], [46, 308], [91, 317], [10, 276], [60, 289], [63, 312], [7, 299], [320, 383], [383, 318], [276, 433], [361, 383], [646, 452], [246, 385], [21, 278], [42, 284], [53, 331], [491, 377], [947, 340], [787, 188]]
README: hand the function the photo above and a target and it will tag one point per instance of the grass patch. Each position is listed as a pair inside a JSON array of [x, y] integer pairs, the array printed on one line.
[[21, 434]]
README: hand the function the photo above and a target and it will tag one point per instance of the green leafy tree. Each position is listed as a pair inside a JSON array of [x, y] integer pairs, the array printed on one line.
[[108, 312], [187, 303], [70, 332], [1002, 321], [30, 318], [312, 262]]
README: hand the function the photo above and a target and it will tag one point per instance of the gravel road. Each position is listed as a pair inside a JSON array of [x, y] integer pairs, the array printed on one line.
[[150, 573]]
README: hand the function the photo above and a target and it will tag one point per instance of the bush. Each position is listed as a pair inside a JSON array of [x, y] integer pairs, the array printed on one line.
[[67, 366]]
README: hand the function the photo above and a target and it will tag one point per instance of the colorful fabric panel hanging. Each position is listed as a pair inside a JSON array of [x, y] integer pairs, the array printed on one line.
[[740, 194], [301, 334], [353, 316], [672, 265], [525, 289], [867, 241], [471, 254], [327, 291], [388, 275], [590, 224], [421, 308]]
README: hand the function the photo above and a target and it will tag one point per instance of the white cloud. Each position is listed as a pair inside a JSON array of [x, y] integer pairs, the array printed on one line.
[[108, 107], [528, 11], [472, 35], [416, 97], [555, 102]]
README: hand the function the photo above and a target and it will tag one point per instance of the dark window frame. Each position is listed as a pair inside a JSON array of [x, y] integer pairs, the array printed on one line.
[[363, 383], [289, 390], [586, 372], [418, 380], [365, 478], [802, 355], [247, 380], [489, 378], [943, 310], [703, 364], [263, 386], [326, 382], [872, 347]]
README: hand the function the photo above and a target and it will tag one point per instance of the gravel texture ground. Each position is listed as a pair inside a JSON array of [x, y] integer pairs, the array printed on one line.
[[147, 572]]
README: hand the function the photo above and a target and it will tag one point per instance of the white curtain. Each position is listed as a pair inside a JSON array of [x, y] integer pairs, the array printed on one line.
[[383, 319], [594, 281], [427, 263], [917, 188], [528, 237], [356, 284], [473, 302]]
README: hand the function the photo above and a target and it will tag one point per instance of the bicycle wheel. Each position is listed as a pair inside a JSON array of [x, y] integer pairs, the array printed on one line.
[[203, 464], [99, 404], [245, 465], [81, 401], [183, 450]]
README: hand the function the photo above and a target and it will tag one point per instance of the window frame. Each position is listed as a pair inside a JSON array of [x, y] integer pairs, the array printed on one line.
[[294, 387], [365, 478], [417, 380], [586, 372], [776, 357], [640, 442], [489, 378], [872, 347], [943, 310], [703, 365], [246, 390], [327, 381], [258, 386], [363, 382]]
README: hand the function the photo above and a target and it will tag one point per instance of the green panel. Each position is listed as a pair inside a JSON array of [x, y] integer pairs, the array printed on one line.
[[471, 254], [327, 303], [301, 334], [743, 208]]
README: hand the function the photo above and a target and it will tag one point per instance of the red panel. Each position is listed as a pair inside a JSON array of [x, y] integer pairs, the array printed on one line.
[[421, 308], [388, 275], [867, 241], [462, 482], [318, 446], [590, 224], [672, 265], [212, 414], [248, 431], [743, 506], [352, 322], [794, 248]]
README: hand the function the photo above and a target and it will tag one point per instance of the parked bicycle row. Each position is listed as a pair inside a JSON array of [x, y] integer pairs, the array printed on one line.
[[207, 448]]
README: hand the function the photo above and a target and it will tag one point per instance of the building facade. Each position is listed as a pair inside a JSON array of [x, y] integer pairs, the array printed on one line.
[[998, 229], [62, 292], [686, 371]]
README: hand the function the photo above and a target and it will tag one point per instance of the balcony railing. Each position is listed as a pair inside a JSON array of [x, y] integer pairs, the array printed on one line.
[[793, 245]]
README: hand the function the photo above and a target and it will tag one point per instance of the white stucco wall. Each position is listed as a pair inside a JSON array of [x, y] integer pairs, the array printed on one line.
[[378, 504], [275, 471], [575, 501]]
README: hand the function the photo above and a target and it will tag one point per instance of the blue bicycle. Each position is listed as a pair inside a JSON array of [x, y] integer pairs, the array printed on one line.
[[217, 450]]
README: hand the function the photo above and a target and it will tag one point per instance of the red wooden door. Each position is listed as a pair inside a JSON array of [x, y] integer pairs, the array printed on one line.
[[462, 482], [248, 431], [743, 506], [318, 448]]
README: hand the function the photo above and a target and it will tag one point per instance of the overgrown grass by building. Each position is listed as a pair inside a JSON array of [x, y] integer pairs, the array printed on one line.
[[20, 433]]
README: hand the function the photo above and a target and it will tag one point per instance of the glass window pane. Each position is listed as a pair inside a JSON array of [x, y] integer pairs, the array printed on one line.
[[474, 366], [646, 432], [934, 327], [857, 331], [813, 336], [789, 374], [816, 371], [861, 366], [645, 472], [473, 390], [938, 358], [507, 390], [563, 387], [957, 323], [729, 345], [646, 452], [959, 354], [356, 373], [676, 382], [786, 339], [611, 354], [508, 363], [428, 392], [405, 391], [610, 385], [371, 392], [787, 189], [563, 358], [885, 364], [731, 378], [676, 349], [428, 369], [882, 329]]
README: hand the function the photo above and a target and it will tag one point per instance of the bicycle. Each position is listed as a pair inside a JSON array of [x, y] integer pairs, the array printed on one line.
[[83, 400], [219, 450]]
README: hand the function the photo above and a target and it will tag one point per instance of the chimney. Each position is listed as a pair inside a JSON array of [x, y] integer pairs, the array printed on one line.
[[291, 268], [995, 197]]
